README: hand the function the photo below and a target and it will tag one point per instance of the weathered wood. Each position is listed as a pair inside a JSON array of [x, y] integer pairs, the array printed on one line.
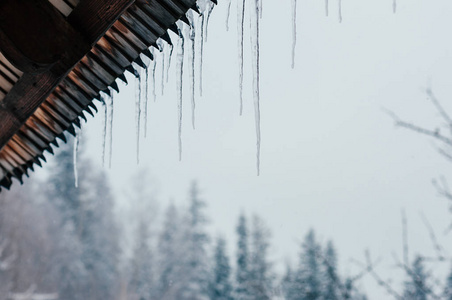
[[84, 27], [90, 16], [33, 34]]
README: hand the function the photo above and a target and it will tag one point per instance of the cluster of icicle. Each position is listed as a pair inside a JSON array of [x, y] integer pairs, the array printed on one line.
[[192, 34]]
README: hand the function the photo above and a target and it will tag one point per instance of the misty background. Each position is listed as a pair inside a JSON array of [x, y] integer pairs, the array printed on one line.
[[332, 158]]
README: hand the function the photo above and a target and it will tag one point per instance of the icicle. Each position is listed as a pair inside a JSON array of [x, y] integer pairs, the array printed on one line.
[[168, 63], [394, 6], [104, 130], [255, 49], [138, 112], [180, 67], [162, 48], [227, 15], [260, 8], [340, 11], [154, 65], [326, 8], [146, 99], [240, 28], [209, 12], [201, 52], [76, 143], [191, 57], [110, 105], [294, 30], [163, 72]]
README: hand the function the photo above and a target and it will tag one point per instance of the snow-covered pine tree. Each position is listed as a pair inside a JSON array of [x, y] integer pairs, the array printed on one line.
[[197, 261], [260, 277], [307, 281], [416, 286], [242, 271], [88, 226], [331, 280], [142, 285], [287, 284], [221, 286], [448, 288], [170, 250]]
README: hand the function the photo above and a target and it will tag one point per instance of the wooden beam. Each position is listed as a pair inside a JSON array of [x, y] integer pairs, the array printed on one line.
[[33, 34], [86, 25]]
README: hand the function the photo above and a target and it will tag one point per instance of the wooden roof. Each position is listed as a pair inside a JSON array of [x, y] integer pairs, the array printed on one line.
[[52, 70]]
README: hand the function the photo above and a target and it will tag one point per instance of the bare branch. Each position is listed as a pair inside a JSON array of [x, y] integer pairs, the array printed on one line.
[[435, 134], [439, 107], [436, 246], [379, 280], [405, 238]]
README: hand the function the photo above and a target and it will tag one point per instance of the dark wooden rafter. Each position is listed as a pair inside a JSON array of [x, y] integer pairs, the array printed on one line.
[[84, 27], [50, 100]]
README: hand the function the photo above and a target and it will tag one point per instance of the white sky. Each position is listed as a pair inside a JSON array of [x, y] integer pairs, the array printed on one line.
[[331, 159]]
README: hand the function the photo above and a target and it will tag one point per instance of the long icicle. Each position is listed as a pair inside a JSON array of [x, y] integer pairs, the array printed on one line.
[[146, 100], [228, 13], [104, 129], [255, 49], [260, 8], [180, 67], [76, 143], [394, 6], [201, 52], [110, 129], [138, 112], [192, 57], [154, 65], [168, 64], [163, 54], [326, 8], [240, 28], [340, 11], [294, 30], [209, 12]]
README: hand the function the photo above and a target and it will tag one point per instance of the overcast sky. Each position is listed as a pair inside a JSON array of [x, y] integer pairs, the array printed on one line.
[[331, 159]]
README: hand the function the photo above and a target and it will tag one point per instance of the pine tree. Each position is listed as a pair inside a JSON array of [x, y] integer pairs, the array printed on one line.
[[170, 253], [307, 282], [142, 279], [242, 275], [416, 287], [448, 289], [197, 264], [331, 278], [89, 270], [288, 284], [260, 278], [221, 287]]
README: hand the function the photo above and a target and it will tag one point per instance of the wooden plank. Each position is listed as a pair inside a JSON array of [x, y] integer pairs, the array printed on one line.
[[90, 16], [86, 25]]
